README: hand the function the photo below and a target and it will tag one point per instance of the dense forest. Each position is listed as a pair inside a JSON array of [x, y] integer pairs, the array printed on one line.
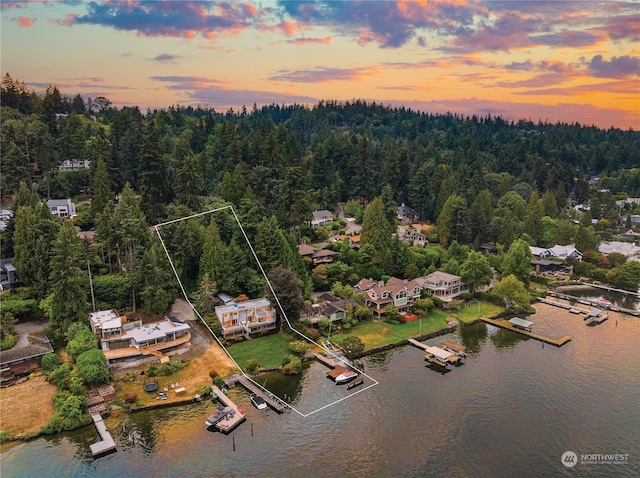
[[474, 179]]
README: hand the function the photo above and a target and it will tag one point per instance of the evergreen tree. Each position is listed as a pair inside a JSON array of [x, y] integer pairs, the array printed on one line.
[[67, 303], [376, 230], [101, 192], [154, 176], [156, 281], [215, 260], [533, 219], [131, 234]]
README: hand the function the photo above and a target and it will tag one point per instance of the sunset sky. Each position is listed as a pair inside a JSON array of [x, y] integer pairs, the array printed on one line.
[[550, 60]]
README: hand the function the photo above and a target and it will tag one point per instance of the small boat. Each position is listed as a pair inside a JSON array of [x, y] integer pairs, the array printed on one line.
[[346, 376], [219, 414], [258, 401], [603, 301]]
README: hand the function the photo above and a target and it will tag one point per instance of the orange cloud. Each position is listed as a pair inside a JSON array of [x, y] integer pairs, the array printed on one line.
[[24, 22]]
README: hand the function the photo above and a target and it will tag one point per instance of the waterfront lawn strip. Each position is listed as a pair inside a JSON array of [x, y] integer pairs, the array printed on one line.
[[268, 351], [378, 333], [472, 311]]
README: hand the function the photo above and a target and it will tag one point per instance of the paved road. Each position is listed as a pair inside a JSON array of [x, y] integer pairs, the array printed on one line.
[[352, 227]]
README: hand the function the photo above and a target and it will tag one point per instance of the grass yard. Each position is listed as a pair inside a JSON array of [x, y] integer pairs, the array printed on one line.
[[376, 334], [268, 351], [27, 407], [473, 310]]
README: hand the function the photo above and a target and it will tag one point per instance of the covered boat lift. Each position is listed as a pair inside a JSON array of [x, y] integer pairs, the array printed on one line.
[[521, 323]]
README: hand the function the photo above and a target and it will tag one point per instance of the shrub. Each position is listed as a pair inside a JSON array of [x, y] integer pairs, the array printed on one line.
[[286, 359], [313, 334], [294, 366], [7, 342], [298, 346], [82, 341], [92, 366], [153, 371], [50, 362], [130, 398], [252, 366], [213, 374], [4, 436]]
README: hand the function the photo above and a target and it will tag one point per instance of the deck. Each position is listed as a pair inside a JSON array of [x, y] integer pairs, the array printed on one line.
[[274, 402], [106, 443], [227, 424], [505, 324]]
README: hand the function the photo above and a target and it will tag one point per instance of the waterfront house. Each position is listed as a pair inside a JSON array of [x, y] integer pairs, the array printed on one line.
[[62, 207], [25, 357], [327, 307], [442, 285], [129, 342], [321, 218], [400, 293], [247, 318]]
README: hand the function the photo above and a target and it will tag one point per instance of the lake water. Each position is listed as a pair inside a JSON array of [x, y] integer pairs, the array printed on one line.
[[512, 409]]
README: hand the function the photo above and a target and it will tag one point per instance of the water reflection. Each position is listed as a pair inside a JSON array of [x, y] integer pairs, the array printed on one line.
[[473, 337], [507, 339]]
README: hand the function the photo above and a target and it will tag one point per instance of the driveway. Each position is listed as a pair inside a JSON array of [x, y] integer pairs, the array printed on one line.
[[351, 227], [183, 311]]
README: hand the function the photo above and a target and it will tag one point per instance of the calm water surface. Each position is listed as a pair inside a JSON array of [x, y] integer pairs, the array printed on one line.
[[511, 410]]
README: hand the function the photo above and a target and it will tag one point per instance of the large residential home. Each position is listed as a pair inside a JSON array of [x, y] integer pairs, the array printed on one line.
[[25, 357], [629, 250], [62, 207], [411, 234], [321, 218], [407, 215], [324, 256], [401, 293], [442, 285], [561, 252], [126, 342], [247, 318], [328, 307]]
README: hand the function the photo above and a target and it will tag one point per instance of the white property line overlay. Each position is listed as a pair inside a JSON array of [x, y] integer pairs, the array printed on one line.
[[284, 315]]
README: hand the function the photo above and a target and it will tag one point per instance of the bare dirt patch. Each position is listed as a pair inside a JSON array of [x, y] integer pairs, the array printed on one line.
[[27, 407], [191, 378]]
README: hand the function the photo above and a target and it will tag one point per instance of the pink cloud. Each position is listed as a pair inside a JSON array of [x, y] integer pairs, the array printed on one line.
[[24, 22]]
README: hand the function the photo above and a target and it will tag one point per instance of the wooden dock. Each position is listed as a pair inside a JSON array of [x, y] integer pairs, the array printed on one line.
[[274, 402], [505, 324], [432, 359], [106, 443], [228, 423]]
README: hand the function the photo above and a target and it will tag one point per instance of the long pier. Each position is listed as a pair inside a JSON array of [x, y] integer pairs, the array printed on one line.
[[228, 423], [274, 402], [106, 442], [505, 324], [592, 302]]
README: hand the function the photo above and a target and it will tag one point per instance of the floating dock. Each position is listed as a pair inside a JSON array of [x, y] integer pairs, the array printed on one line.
[[454, 347], [274, 402], [106, 443], [505, 324], [228, 423]]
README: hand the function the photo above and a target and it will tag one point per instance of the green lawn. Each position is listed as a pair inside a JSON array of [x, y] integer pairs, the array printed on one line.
[[471, 311], [376, 333], [268, 351]]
